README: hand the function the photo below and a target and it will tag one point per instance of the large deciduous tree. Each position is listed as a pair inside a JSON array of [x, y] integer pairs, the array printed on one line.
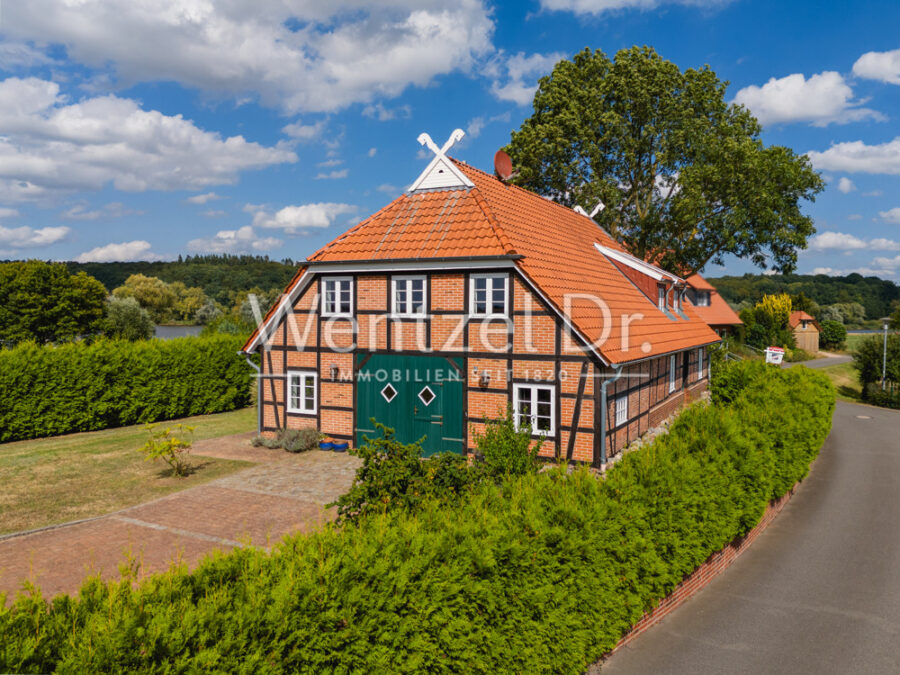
[[43, 302], [683, 174]]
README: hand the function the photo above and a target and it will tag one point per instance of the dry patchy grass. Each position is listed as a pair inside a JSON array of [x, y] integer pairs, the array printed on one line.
[[845, 380], [54, 480]]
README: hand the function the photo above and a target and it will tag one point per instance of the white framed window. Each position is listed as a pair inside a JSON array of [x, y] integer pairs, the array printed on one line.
[[489, 294], [621, 409], [702, 298], [303, 392], [409, 296], [534, 408], [661, 296], [701, 354], [671, 373], [337, 296]]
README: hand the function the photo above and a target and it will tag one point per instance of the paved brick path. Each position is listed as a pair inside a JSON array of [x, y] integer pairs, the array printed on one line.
[[284, 493]]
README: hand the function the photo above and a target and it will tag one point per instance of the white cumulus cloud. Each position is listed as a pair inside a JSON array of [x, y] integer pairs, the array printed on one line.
[[822, 99], [836, 240], [8, 213], [516, 76], [107, 211], [300, 219], [125, 252], [242, 240], [298, 55], [845, 185], [891, 216], [48, 145], [858, 157], [203, 198], [883, 66], [27, 237]]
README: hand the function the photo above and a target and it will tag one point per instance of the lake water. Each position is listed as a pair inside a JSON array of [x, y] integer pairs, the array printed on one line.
[[169, 332]]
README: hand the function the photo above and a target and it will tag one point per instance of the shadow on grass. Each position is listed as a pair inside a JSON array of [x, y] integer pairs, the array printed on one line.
[[190, 470]]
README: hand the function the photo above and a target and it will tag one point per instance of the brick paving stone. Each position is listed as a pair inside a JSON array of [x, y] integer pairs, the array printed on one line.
[[259, 505]]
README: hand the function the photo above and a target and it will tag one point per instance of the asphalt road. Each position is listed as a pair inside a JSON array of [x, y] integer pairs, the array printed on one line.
[[818, 591], [821, 363]]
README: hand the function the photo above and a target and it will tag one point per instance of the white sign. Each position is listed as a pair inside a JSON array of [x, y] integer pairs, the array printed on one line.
[[774, 355]]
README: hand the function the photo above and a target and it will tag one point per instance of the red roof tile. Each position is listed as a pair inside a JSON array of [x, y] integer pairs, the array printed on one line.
[[558, 257]]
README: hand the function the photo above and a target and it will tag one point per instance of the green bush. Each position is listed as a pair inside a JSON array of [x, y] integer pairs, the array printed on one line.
[[171, 445], [394, 477], [542, 572], [51, 390], [127, 320], [833, 335], [505, 450], [729, 379]]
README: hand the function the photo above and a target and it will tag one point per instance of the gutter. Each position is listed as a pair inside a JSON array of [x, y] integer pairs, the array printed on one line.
[[258, 389], [604, 408], [375, 261]]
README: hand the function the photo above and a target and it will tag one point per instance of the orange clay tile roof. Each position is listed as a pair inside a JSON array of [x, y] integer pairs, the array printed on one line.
[[558, 257], [718, 312], [798, 316], [697, 282]]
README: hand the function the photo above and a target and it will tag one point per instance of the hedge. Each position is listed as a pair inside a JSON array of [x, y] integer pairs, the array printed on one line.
[[541, 573], [50, 390]]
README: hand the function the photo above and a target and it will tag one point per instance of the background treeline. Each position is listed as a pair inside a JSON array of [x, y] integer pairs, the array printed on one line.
[[51, 390], [874, 298], [221, 277], [55, 303], [542, 572]]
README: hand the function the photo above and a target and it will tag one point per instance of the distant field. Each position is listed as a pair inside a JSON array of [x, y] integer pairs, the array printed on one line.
[[53, 480], [854, 339]]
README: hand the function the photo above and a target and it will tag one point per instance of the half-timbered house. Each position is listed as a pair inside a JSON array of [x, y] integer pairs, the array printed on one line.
[[466, 295]]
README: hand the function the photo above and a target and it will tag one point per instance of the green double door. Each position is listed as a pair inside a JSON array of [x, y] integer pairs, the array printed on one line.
[[416, 396]]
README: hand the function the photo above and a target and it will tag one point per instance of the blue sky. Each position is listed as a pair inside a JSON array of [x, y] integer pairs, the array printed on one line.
[[152, 128]]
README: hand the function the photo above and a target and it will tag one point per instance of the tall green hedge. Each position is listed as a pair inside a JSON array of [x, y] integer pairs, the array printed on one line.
[[49, 390], [541, 573]]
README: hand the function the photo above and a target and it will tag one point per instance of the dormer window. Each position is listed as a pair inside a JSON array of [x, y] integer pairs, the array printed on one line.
[[702, 298], [676, 300], [661, 297]]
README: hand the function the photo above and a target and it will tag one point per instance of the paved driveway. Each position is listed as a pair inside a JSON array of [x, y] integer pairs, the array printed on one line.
[[819, 591], [256, 506]]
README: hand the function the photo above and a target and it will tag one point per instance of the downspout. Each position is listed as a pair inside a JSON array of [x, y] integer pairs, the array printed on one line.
[[258, 390], [603, 411]]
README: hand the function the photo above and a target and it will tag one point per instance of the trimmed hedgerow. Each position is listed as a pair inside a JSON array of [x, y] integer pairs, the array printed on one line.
[[50, 390], [537, 573]]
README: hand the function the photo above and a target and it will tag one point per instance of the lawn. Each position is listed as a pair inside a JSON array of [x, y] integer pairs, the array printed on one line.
[[844, 378], [54, 480]]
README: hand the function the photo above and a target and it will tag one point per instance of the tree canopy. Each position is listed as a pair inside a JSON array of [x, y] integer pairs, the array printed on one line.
[[683, 175], [43, 302]]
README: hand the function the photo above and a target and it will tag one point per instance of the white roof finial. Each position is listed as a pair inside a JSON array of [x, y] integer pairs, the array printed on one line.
[[441, 173]]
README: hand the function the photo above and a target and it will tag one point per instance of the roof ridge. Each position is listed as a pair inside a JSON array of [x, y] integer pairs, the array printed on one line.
[[530, 193], [497, 228]]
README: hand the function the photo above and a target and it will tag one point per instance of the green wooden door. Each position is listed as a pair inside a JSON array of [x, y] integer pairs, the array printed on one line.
[[416, 396]]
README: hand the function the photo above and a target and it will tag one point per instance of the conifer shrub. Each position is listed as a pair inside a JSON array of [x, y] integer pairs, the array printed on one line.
[[50, 390], [539, 572]]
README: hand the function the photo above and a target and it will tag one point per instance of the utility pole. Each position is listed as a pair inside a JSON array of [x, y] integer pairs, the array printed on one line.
[[885, 321]]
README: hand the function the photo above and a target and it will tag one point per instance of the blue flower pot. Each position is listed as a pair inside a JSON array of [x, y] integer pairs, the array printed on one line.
[[340, 447], [326, 445]]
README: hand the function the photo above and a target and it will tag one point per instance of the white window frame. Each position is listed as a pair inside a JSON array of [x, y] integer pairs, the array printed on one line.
[[676, 300], [621, 410], [532, 423], [703, 298], [303, 376], [407, 281], [672, 368], [661, 296], [489, 298], [338, 280], [701, 354]]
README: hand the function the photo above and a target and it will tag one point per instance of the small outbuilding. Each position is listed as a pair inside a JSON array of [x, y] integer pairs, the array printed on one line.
[[806, 331]]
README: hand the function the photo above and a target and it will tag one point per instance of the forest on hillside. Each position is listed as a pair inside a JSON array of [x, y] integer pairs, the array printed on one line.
[[222, 277], [879, 297]]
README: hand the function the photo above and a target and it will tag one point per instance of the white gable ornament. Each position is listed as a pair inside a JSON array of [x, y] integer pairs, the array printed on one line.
[[441, 173]]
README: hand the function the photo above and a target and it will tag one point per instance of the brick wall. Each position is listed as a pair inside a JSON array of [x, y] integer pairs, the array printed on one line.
[[512, 351]]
